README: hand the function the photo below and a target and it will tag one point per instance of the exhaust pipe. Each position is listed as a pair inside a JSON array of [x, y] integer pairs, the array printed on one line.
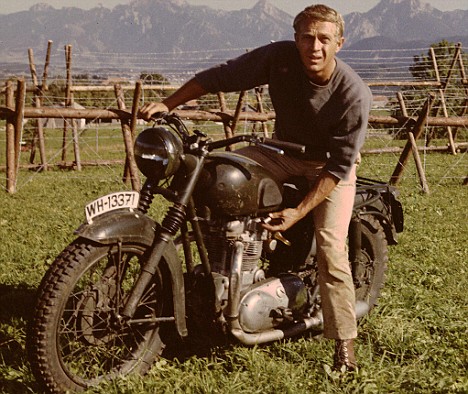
[[274, 334], [362, 308]]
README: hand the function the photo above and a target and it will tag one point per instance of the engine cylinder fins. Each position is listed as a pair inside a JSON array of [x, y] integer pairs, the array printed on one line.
[[218, 245]]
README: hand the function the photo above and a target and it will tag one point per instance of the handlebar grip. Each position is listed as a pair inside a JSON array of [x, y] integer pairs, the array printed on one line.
[[292, 146]]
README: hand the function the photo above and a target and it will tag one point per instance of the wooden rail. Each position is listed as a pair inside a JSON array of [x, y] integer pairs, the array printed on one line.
[[214, 116]]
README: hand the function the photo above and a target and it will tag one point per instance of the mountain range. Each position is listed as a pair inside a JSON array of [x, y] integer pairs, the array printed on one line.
[[174, 26]]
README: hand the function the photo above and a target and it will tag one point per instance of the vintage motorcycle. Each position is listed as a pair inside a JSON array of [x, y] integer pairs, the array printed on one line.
[[129, 286]]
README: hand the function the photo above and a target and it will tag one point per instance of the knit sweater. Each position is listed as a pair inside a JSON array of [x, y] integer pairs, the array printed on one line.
[[331, 120]]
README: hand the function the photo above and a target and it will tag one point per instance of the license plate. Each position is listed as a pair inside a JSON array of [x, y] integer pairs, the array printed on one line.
[[111, 202]]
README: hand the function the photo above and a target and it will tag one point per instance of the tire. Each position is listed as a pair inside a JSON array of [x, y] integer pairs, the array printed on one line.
[[75, 338], [369, 275]]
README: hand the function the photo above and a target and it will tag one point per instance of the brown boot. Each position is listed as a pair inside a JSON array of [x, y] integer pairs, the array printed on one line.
[[344, 355]]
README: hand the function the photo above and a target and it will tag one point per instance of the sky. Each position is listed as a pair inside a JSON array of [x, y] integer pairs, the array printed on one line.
[[292, 7]]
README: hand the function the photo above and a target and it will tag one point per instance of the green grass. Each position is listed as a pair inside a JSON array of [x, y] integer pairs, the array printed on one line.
[[415, 341]]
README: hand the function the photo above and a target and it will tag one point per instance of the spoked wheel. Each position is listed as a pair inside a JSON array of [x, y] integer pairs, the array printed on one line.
[[77, 337], [369, 275]]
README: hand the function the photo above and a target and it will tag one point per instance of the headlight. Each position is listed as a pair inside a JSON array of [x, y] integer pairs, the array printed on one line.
[[157, 152]]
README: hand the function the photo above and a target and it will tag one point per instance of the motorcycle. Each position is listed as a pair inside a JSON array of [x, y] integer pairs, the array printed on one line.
[[209, 272]]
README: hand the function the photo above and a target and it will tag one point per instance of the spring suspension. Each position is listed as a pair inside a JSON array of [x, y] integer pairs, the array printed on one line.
[[174, 219], [146, 197]]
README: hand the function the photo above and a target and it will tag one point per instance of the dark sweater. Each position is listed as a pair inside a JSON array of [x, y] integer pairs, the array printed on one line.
[[330, 119]]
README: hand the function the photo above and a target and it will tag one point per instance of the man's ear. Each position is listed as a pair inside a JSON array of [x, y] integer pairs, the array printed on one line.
[[340, 44]]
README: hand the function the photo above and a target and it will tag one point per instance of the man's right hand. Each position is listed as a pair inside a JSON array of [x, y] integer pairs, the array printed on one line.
[[189, 91], [148, 110]]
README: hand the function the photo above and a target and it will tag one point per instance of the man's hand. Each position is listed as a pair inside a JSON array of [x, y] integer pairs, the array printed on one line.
[[191, 90], [150, 109], [282, 220]]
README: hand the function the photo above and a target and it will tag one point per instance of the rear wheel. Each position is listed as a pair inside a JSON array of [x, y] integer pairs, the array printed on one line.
[[77, 337], [369, 272]]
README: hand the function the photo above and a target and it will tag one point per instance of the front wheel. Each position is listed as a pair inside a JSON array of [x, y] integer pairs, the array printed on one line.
[[77, 337]]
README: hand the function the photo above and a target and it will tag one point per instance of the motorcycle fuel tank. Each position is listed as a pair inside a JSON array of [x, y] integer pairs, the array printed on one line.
[[234, 185]]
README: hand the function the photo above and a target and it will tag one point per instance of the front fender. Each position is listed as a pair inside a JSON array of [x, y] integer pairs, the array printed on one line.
[[126, 226], [119, 226]]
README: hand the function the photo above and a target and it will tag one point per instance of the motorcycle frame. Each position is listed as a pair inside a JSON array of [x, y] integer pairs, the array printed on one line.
[[114, 228]]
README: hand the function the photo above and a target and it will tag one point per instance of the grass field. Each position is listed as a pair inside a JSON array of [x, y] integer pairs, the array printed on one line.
[[415, 341]]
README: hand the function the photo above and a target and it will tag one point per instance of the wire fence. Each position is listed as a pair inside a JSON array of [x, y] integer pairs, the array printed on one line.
[[388, 73]]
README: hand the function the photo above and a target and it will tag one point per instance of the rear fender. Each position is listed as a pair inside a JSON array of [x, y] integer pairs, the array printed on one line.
[[126, 226], [381, 201]]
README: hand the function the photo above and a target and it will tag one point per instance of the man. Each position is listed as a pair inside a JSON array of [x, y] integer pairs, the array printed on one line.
[[322, 103]]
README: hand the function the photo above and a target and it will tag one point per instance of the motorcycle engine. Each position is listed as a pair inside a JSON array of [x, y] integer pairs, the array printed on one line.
[[219, 239], [265, 302]]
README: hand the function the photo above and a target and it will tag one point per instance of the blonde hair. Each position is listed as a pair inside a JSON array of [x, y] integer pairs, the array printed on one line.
[[320, 13]]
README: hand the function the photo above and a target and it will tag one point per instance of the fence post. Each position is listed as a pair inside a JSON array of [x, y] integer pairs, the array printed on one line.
[[230, 126], [136, 184], [434, 63], [46, 66], [39, 131], [259, 96], [442, 96], [416, 132], [223, 108], [449, 128], [417, 160], [67, 100], [19, 117], [130, 164], [465, 85], [414, 147], [69, 103], [238, 110], [401, 101], [10, 141]]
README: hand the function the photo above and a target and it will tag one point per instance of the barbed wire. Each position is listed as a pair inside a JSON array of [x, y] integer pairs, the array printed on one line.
[[98, 68], [180, 65]]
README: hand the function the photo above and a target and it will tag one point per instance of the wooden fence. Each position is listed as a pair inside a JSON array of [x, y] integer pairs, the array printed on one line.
[[15, 112]]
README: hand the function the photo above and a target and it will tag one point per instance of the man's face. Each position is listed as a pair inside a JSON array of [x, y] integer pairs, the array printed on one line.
[[318, 43]]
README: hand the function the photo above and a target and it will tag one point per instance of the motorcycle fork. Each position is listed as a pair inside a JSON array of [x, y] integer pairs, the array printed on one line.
[[198, 235], [171, 223], [355, 246]]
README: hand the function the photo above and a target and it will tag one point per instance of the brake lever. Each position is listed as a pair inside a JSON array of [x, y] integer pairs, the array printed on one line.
[[276, 235], [159, 117]]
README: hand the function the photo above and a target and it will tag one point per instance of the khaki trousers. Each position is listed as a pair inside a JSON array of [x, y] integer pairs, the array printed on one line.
[[331, 220]]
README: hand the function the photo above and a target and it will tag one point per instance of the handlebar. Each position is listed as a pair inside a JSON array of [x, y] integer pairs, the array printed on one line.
[[277, 145], [261, 141]]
